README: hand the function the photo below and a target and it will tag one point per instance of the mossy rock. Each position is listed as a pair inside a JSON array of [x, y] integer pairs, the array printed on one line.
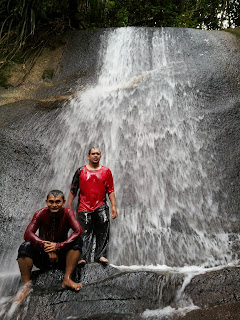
[[235, 31], [48, 74], [3, 81]]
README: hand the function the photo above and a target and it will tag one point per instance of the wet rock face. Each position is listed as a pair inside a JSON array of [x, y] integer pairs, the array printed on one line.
[[107, 293], [23, 156], [224, 312], [217, 293], [215, 288]]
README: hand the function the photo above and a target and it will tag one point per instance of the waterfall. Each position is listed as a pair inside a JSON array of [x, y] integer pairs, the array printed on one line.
[[145, 115], [162, 105]]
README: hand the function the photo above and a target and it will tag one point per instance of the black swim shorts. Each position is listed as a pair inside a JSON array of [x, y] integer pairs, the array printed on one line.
[[41, 259]]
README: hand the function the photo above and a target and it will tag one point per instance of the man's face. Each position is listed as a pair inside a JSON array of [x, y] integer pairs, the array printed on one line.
[[94, 156], [55, 204]]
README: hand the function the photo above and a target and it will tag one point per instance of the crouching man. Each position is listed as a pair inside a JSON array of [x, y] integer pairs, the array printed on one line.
[[52, 248]]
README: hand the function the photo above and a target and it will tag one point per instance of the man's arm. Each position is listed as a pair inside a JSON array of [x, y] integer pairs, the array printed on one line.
[[33, 226], [111, 194], [54, 247], [29, 235], [70, 200], [74, 225], [114, 206], [74, 187]]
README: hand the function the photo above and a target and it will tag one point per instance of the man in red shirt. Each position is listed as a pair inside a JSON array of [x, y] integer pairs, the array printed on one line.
[[93, 182], [52, 248]]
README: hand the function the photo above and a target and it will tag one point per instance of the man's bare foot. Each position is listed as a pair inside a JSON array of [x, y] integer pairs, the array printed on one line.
[[103, 260], [23, 292], [82, 262], [68, 283]]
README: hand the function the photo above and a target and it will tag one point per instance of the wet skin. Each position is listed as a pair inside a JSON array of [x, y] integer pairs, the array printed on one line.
[[94, 158], [55, 205]]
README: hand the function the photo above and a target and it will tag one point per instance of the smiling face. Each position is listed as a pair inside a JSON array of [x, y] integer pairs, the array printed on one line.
[[94, 156], [55, 204]]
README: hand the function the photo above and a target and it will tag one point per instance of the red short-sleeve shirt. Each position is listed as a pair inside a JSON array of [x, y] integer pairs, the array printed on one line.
[[93, 185]]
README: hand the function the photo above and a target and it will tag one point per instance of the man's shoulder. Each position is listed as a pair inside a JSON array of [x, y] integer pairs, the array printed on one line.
[[68, 211], [79, 169], [105, 168], [69, 215], [42, 210]]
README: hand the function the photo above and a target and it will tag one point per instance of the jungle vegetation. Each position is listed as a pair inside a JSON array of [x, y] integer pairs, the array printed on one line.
[[29, 24]]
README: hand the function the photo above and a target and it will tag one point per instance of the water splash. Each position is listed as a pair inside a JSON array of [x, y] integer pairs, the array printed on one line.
[[144, 115], [168, 313]]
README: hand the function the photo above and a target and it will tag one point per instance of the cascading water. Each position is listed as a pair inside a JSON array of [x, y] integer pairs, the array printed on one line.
[[145, 116]]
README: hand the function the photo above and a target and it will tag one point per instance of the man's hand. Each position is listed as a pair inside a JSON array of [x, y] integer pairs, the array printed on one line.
[[114, 206], [53, 257], [114, 212], [49, 246]]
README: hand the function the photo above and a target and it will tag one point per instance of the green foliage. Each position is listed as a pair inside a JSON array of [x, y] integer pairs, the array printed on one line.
[[30, 24], [208, 14]]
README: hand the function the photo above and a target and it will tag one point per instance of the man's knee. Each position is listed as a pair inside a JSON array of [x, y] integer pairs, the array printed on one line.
[[25, 250], [77, 244]]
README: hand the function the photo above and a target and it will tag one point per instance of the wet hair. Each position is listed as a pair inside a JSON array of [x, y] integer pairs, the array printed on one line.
[[56, 193], [89, 152]]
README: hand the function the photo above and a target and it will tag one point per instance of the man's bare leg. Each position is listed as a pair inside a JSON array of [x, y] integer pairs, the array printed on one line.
[[25, 265], [71, 262]]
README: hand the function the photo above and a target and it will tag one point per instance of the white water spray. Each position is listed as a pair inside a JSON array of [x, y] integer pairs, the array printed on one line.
[[144, 115]]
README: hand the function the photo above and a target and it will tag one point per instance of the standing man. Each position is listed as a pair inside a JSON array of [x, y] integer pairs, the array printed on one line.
[[93, 182], [52, 248]]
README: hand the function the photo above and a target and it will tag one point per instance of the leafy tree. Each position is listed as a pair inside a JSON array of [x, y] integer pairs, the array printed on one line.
[[34, 22]]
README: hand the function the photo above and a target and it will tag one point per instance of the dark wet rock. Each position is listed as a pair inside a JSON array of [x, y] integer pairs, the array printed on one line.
[[229, 311], [87, 274], [179, 223], [215, 288], [107, 293], [80, 58], [217, 293], [24, 142], [77, 67]]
